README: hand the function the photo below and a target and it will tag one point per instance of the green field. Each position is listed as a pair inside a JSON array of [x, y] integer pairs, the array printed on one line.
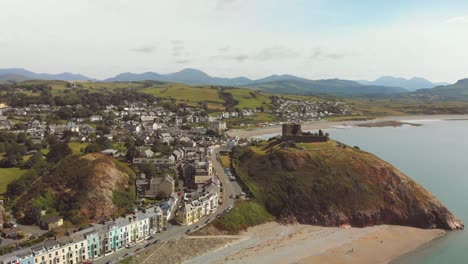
[[242, 216], [8, 175], [250, 99], [76, 147], [185, 93]]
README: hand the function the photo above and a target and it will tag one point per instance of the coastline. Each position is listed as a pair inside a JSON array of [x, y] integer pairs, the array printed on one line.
[[275, 243], [323, 124]]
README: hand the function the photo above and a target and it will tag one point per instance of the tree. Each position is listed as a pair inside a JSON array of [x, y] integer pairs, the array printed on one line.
[[131, 153], [58, 151], [32, 215], [148, 169]]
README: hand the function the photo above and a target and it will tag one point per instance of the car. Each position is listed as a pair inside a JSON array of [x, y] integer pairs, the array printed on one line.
[[208, 220], [231, 196], [147, 245], [197, 227], [130, 245], [150, 238], [126, 255], [157, 241], [165, 228], [136, 250], [109, 262], [188, 231]]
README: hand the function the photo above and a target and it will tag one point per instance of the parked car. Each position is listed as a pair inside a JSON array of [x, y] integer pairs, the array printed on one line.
[[150, 238], [157, 241], [147, 245], [208, 220], [130, 245]]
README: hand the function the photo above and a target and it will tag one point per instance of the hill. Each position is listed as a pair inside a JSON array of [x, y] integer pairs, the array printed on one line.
[[185, 76], [331, 87], [412, 84], [29, 75], [332, 185], [283, 84], [13, 78], [457, 91], [80, 188]]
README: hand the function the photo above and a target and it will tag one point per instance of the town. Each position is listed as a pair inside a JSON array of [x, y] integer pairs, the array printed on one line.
[[175, 150]]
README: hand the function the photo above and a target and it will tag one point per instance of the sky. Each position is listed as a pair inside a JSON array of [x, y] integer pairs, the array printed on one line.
[[316, 39]]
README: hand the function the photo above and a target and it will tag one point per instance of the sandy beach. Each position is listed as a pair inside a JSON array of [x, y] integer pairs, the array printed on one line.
[[275, 243], [254, 132]]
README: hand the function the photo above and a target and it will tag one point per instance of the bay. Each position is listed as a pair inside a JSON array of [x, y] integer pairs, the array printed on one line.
[[435, 155]]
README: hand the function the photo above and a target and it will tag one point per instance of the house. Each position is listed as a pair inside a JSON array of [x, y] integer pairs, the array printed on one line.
[[12, 233], [4, 123], [50, 222], [95, 118], [192, 211], [159, 187], [218, 126], [110, 152]]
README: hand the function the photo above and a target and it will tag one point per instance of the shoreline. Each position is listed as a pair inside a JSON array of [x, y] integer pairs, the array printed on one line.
[[276, 243], [323, 124]]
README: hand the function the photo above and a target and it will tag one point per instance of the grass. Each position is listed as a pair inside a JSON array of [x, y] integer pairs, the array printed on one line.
[[127, 260], [182, 92], [294, 181], [250, 99], [242, 216], [8, 175], [318, 145], [76, 147], [225, 161]]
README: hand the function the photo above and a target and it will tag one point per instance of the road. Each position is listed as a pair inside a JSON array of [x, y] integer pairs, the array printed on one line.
[[174, 232]]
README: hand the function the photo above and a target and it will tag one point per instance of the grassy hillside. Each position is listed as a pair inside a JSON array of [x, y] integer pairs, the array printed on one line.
[[334, 87], [331, 184], [8, 175], [186, 93]]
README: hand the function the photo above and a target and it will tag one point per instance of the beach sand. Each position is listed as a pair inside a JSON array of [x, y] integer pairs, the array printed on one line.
[[275, 243], [314, 125]]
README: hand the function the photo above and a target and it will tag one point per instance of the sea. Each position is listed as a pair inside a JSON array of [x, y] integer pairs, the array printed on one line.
[[435, 155]]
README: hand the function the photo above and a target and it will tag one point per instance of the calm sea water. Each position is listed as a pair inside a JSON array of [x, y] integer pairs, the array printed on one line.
[[436, 156]]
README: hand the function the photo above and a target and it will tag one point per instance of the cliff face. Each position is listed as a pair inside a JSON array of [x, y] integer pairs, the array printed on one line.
[[104, 179], [327, 184]]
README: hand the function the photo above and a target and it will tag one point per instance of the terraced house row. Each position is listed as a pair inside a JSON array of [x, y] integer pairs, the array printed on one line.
[[94, 242]]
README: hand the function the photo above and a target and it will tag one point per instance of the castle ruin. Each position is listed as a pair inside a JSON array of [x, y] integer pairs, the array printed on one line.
[[292, 132]]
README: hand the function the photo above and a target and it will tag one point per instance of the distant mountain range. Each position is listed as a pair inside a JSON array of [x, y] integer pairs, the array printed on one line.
[[18, 75], [275, 83], [412, 84]]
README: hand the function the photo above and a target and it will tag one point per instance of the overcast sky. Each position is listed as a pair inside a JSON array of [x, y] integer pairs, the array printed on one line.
[[349, 39]]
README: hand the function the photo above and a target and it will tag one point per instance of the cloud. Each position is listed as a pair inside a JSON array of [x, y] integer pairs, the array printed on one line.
[[457, 20], [224, 49], [145, 49], [221, 4], [178, 48], [266, 54], [182, 61], [274, 53], [320, 53]]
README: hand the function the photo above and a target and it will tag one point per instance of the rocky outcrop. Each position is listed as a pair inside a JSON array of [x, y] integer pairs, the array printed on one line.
[[334, 185], [104, 179]]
